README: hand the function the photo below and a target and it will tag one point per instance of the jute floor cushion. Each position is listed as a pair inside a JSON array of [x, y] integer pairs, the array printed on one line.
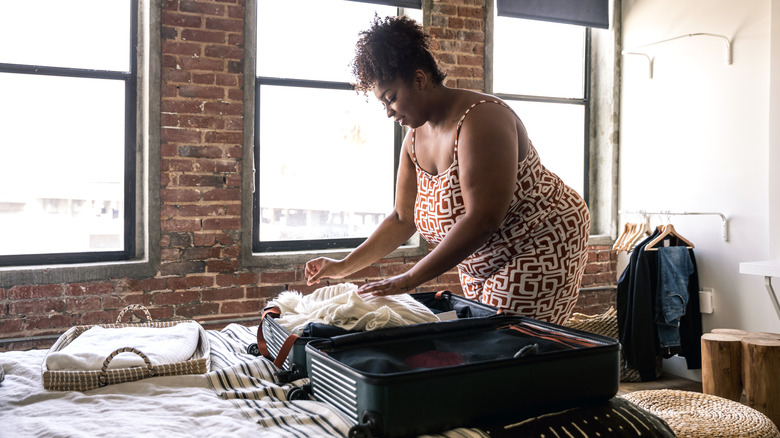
[[693, 414]]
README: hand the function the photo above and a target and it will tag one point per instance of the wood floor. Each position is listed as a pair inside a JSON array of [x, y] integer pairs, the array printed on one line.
[[667, 381]]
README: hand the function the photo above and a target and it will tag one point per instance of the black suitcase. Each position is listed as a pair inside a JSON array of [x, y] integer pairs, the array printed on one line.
[[477, 372], [287, 350]]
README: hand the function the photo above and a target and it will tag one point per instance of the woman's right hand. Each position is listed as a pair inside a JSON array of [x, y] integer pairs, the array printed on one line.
[[322, 268]]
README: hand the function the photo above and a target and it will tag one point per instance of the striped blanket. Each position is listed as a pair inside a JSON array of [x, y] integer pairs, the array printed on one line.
[[248, 381]]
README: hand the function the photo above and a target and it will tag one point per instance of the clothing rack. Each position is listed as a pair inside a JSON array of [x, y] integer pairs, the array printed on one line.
[[650, 59], [724, 221]]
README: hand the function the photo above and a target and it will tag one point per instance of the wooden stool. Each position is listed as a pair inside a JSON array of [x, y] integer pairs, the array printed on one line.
[[728, 331], [761, 374], [721, 365], [693, 414]]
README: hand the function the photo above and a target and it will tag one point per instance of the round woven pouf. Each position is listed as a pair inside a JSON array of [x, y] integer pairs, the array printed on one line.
[[693, 414]]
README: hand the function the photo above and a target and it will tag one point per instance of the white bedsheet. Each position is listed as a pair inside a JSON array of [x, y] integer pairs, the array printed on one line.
[[238, 398]]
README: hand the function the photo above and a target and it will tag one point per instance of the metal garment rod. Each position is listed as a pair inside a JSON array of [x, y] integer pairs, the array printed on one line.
[[724, 221], [650, 59]]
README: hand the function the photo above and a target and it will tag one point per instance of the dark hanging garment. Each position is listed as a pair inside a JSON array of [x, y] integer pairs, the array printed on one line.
[[690, 324], [635, 310], [637, 307]]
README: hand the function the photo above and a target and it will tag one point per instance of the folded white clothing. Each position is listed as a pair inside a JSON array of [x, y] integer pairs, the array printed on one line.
[[162, 345], [340, 305]]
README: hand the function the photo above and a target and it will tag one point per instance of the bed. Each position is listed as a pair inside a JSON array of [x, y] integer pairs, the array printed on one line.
[[236, 398]]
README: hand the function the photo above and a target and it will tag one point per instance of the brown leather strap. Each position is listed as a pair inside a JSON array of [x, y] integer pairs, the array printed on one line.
[[440, 294], [262, 346], [285, 350]]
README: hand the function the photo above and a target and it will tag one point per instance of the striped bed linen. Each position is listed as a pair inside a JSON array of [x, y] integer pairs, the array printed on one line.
[[248, 381]]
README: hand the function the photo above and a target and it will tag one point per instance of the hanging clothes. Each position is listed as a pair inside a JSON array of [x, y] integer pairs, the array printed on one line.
[[640, 311]]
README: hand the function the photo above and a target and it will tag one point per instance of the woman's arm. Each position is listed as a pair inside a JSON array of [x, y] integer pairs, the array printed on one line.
[[392, 232], [488, 160]]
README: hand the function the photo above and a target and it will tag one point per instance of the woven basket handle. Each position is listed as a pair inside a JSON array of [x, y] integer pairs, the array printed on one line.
[[103, 377], [134, 307]]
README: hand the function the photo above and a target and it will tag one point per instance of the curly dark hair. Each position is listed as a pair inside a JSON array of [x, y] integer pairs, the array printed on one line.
[[393, 47]]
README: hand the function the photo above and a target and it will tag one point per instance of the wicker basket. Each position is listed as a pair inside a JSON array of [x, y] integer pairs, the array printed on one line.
[[68, 380], [693, 414]]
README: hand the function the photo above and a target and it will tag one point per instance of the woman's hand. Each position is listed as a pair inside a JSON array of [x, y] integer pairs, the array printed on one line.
[[390, 286], [322, 268]]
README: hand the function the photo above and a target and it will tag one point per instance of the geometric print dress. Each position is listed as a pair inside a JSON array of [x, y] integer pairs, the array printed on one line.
[[533, 264]]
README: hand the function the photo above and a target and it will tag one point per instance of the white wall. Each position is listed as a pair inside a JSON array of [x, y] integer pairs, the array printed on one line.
[[774, 135], [696, 137]]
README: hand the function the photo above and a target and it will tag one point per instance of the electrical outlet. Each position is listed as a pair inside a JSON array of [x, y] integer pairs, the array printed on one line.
[[706, 298]]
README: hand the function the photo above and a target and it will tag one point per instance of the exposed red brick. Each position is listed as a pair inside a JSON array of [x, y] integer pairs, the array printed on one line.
[[239, 278], [191, 281], [202, 7], [264, 291], [175, 297], [197, 310], [275, 277], [206, 36], [14, 324], [88, 289], [28, 292], [230, 293], [83, 303], [243, 307], [37, 307]]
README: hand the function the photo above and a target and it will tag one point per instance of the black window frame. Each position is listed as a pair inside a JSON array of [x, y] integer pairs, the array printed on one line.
[[585, 102], [264, 247], [130, 79]]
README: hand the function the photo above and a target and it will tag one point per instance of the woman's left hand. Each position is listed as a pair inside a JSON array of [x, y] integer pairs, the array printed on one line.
[[399, 284]]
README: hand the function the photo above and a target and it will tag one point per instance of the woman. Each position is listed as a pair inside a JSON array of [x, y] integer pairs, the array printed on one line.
[[469, 181]]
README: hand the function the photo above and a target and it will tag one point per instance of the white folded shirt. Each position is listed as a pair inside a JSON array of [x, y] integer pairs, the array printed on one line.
[[340, 305], [162, 345]]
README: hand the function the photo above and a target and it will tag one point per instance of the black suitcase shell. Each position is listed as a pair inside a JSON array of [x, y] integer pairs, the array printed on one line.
[[430, 400], [273, 335]]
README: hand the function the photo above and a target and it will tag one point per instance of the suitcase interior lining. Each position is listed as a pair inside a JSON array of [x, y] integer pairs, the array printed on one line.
[[454, 349]]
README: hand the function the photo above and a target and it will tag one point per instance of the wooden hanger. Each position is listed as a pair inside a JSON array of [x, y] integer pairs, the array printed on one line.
[[642, 229], [628, 228], [666, 231]]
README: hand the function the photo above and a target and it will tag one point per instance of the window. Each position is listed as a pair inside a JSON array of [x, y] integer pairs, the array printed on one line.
[[325, 156], [67, 131], [541, 69]]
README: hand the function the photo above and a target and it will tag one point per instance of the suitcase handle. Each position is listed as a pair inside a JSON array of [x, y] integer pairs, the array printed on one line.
[[442, 294], [285, 350], [262, 346]]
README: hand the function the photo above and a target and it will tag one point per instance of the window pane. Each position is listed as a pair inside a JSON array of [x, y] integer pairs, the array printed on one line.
[[557, 131], [61, 164], [537, 58], [89, 34], [311, 39], [326, 164]]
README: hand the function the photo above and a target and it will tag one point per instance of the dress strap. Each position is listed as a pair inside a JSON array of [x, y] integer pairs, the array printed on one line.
[[463, 117], [414, 146]]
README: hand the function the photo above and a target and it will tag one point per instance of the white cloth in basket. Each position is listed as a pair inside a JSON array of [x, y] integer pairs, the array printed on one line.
[[162, 345], [340, 305]]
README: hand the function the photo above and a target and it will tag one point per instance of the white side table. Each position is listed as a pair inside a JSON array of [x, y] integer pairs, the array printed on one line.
[[768, 269]]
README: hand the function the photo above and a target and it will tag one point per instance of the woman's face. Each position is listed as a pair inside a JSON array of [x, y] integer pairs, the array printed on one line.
[[401, 102]]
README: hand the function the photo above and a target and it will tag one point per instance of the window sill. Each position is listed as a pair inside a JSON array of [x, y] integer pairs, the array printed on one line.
[[287, 260], [53, 274]]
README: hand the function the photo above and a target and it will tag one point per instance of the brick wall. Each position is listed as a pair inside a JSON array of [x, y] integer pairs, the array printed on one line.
[[201, 153]]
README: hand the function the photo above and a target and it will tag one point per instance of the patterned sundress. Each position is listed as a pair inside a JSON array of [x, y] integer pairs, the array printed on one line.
[[533, 264]]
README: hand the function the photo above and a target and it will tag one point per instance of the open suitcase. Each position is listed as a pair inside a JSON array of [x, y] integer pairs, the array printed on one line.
[[288, 352], [476, 372]]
